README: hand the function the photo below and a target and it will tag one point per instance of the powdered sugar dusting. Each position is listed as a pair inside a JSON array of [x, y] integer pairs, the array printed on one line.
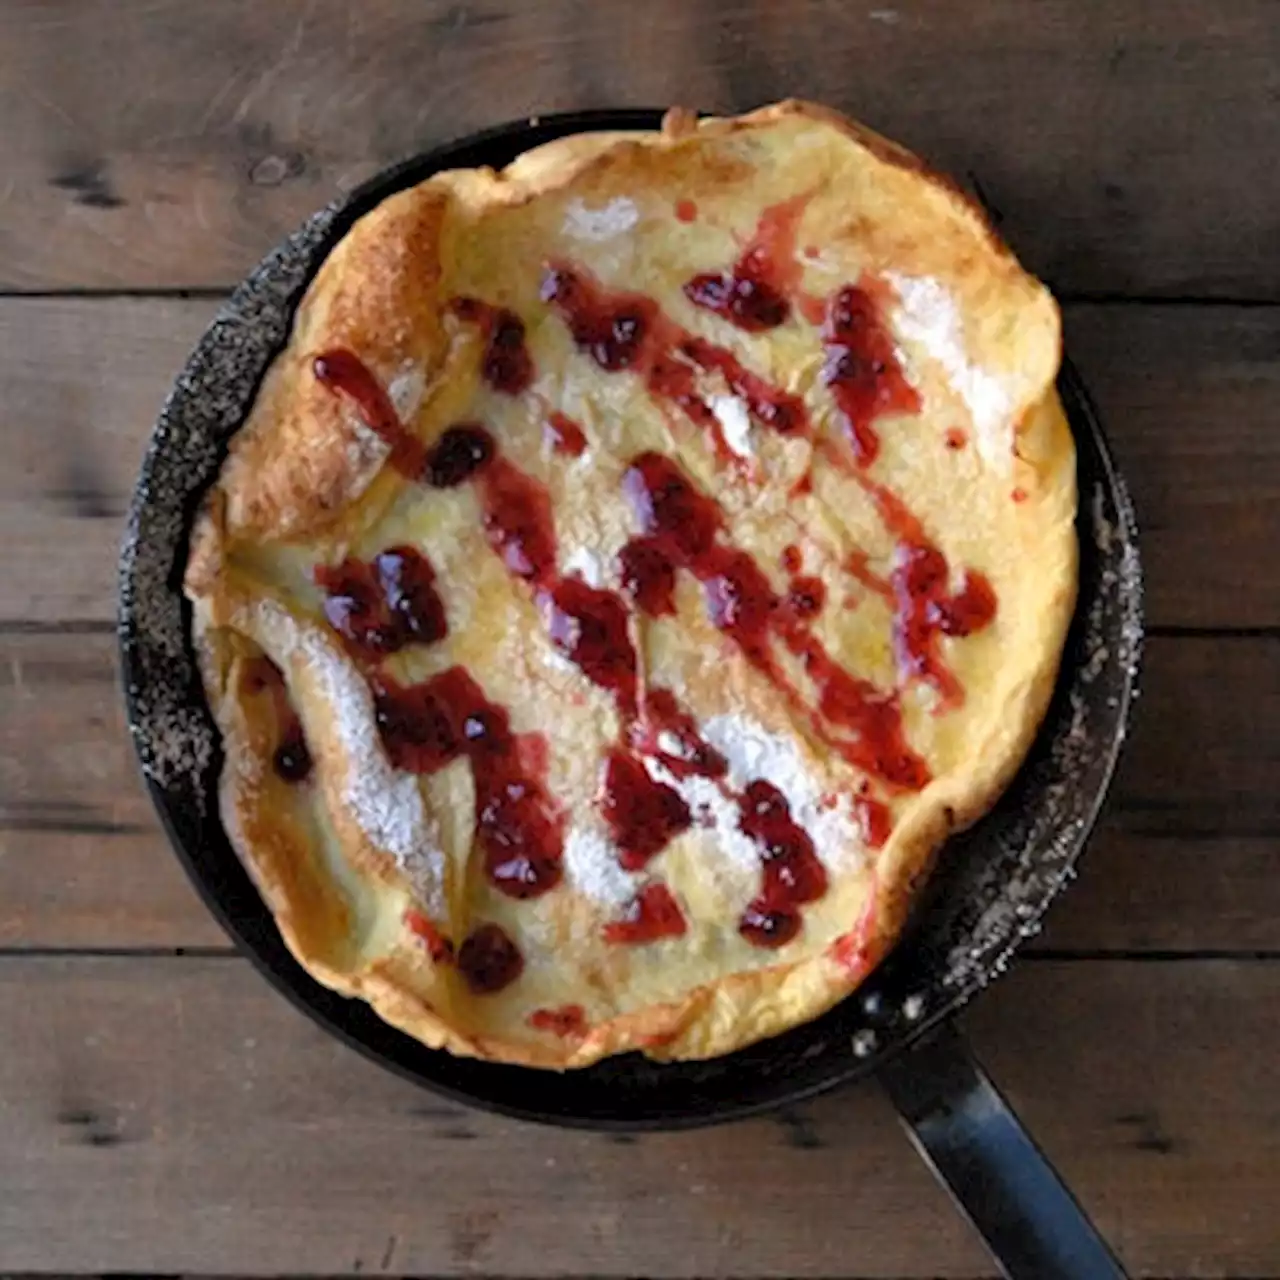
[[711, 807], [753, 752], [405, 390], [366, 450], [605, 223], [735, 423], [587, 565], [929, 316], [385, 801], [591, 866]]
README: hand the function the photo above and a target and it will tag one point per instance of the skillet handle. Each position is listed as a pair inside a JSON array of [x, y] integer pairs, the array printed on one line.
[[998, 1177]]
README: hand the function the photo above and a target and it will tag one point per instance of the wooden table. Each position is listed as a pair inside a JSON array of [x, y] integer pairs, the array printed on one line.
[[161, 1110]]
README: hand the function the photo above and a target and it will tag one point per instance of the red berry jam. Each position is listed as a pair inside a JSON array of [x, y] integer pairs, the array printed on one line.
[[488, 960], [652, 914]]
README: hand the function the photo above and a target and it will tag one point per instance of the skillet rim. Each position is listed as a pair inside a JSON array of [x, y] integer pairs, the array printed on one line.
[[821, 1066]]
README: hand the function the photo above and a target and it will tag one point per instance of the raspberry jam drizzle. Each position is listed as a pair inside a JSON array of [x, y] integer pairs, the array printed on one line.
[[683, 525], [857, 565], [629, 331], [457, 455], [383, 605], [793, 875], [588, 625], [926, 609], [506, 364], [861, 370], [768, 405], [644, 815], [517, 522], [755, 294], [488, 960], [345, 374], [876, 818], [291, 759], [516, 508], [439, 948], [665, 722], [520, 829], [564, 435], [806, 597], [648, 577], [652, 914], [569, 1021]]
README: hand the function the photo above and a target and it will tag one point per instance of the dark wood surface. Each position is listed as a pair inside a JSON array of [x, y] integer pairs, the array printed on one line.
[[156, 144], [163, 1111]]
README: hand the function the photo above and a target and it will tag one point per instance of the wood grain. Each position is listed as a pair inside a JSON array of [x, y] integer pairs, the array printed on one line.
[[178, 1112], [83, 382], [1189, 396], [164, 144], [1184, 860]]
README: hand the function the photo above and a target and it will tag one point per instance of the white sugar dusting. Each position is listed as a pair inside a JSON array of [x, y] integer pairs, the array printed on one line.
[[366, 450], [672, 744], [928, 315], [753, 752], [731, 413], [605, 223], [591, 866], [710, 806], [385, 801], [587, 564], [405, 390]]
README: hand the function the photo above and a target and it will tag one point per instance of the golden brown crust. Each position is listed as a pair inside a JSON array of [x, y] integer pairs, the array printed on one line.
[[346, 860]]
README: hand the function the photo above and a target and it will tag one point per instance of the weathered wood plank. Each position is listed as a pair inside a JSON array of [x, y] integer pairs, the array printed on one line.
[[168, 1108], [82, 384], [1189, 395], [171, 144], [1184, 860]]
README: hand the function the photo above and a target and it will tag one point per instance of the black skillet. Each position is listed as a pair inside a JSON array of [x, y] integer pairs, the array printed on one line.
[[988, 895]]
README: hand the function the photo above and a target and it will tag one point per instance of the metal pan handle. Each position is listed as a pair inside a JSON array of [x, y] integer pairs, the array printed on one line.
[[999, 1178]]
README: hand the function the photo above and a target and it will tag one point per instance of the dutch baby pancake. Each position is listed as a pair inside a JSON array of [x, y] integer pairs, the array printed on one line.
[[633, 567]]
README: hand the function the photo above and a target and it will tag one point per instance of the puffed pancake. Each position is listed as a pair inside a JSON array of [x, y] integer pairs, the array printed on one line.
[[635, 565]]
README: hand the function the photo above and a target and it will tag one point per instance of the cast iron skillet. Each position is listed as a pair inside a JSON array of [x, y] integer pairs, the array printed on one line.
[[990, 891]]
